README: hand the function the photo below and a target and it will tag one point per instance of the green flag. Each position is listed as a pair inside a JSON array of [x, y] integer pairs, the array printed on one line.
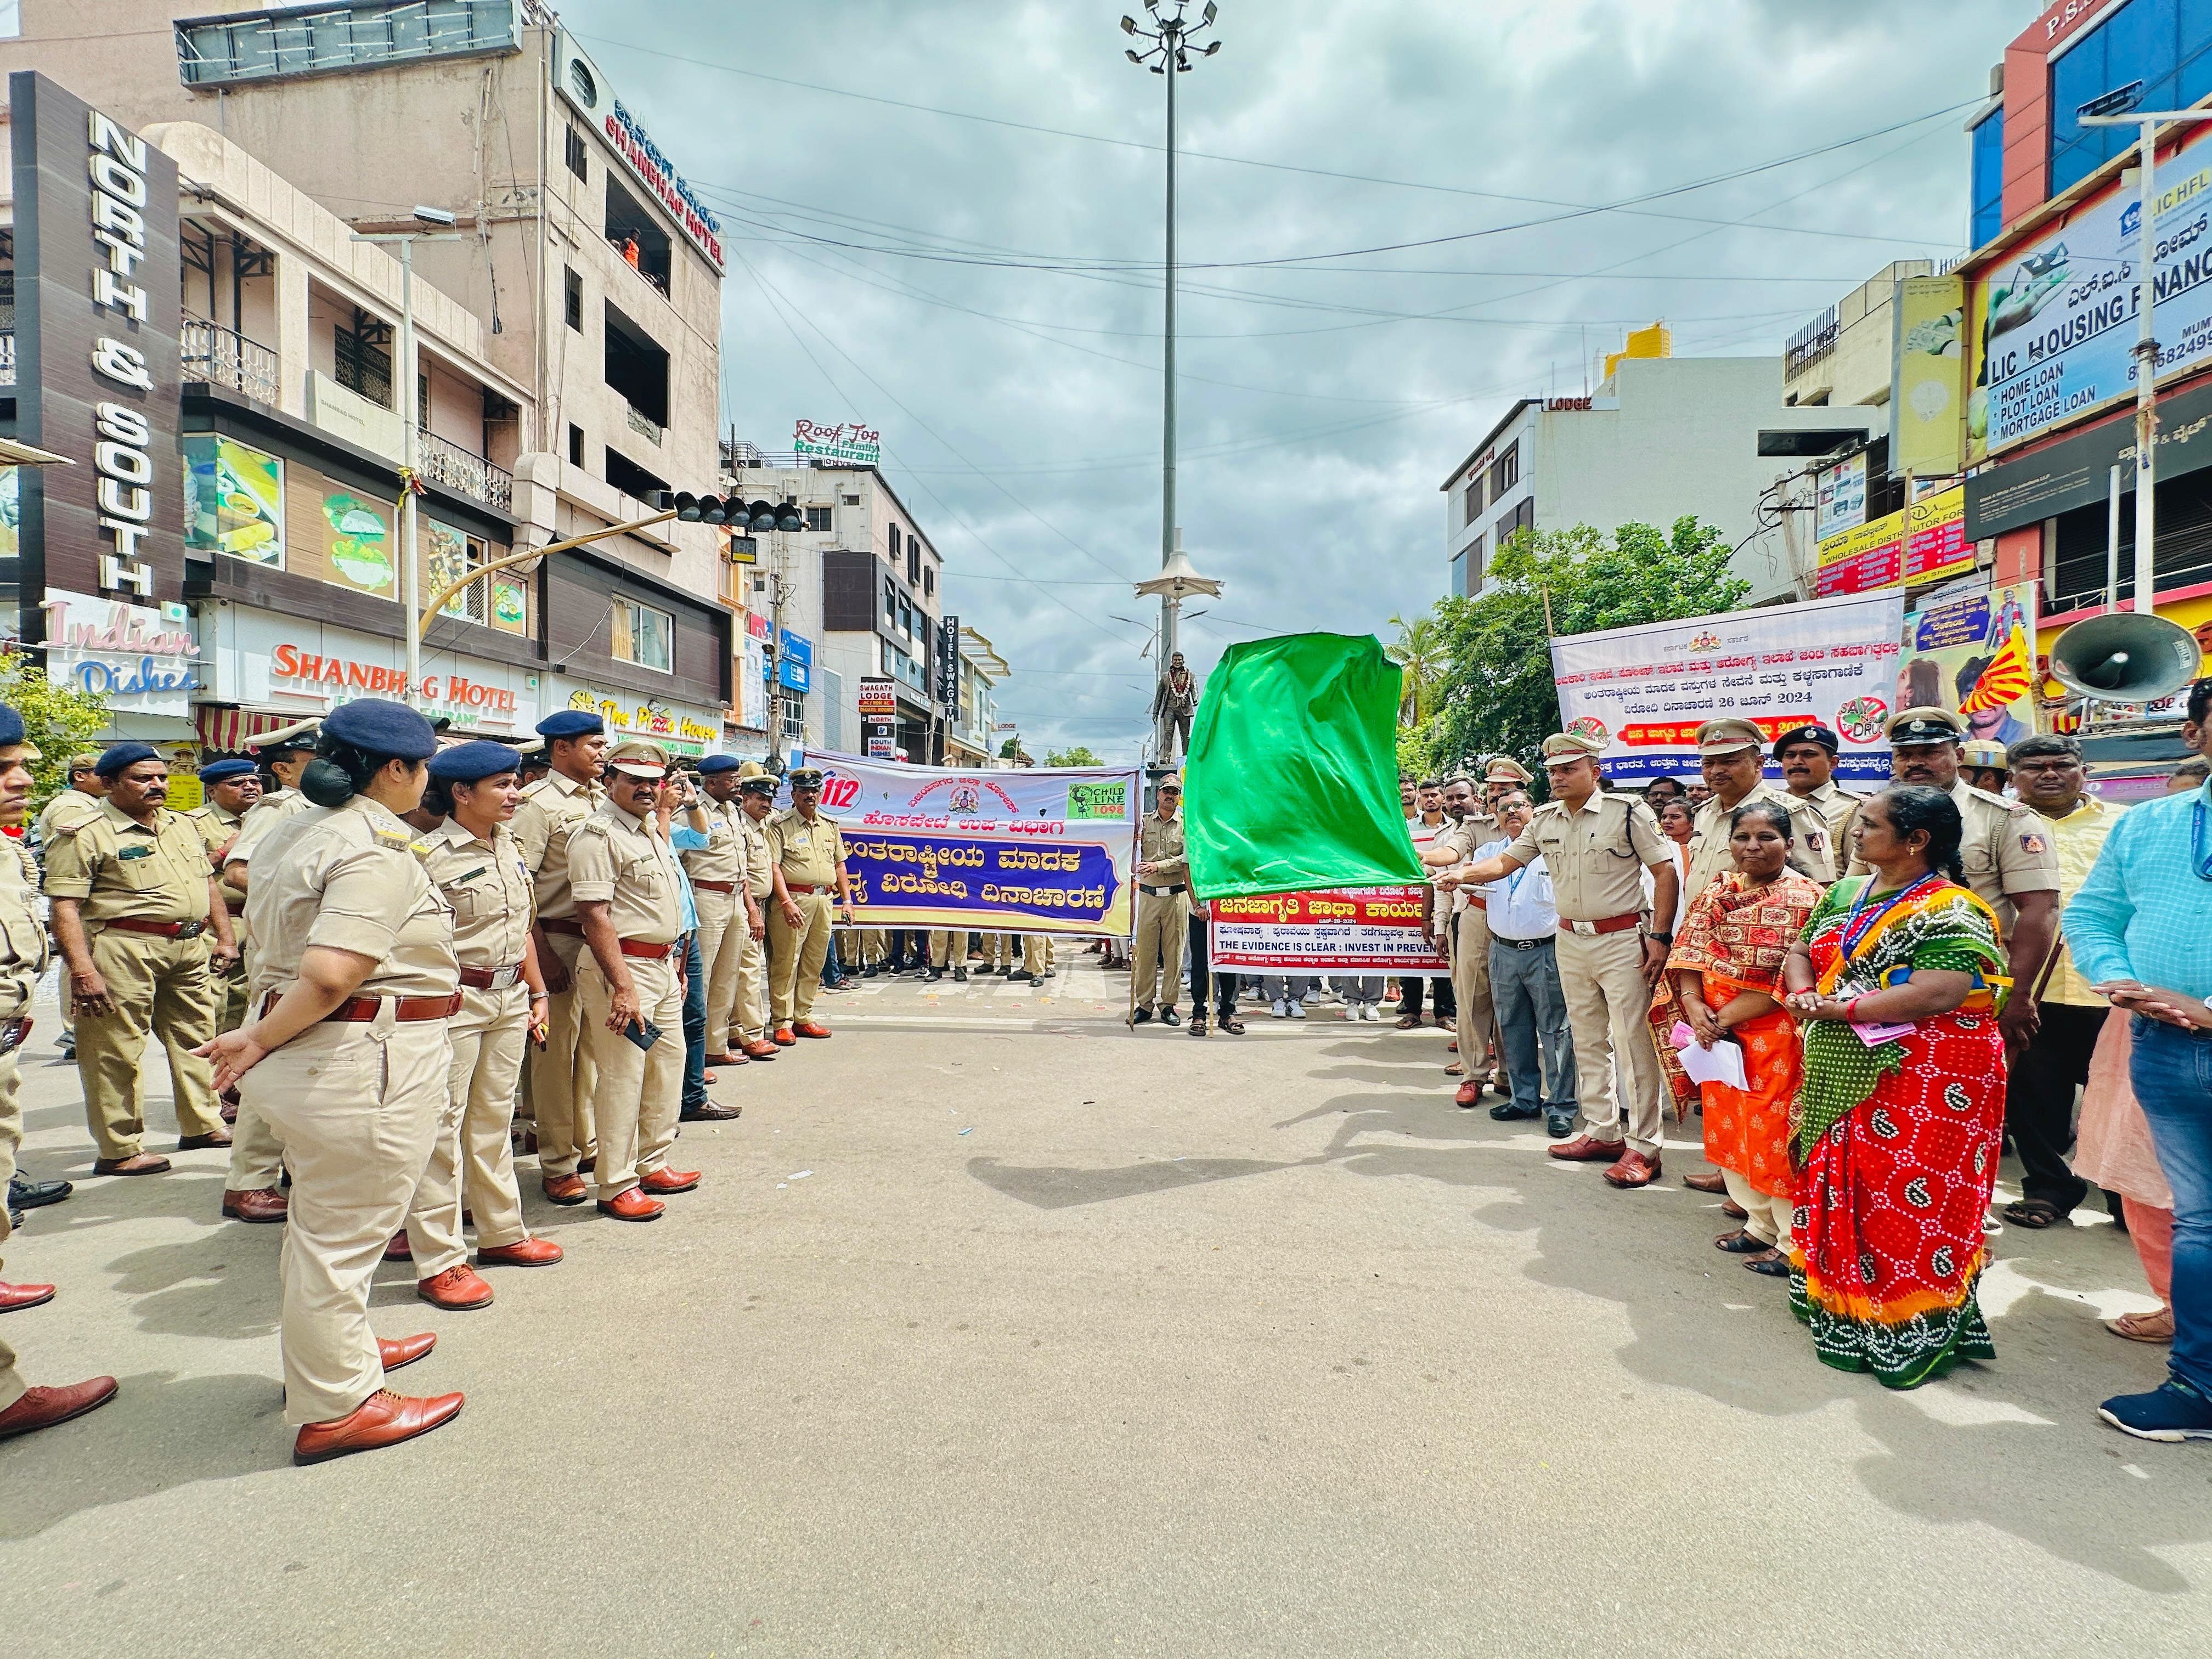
[[1294, 770]]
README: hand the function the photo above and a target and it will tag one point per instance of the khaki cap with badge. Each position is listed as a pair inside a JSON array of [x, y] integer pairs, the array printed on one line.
[[1728, 735], [1982, 753], [1504, 769], [635, 757], [1563, 746]]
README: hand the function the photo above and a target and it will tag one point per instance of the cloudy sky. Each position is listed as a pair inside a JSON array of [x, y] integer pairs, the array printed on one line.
[[921, 256]]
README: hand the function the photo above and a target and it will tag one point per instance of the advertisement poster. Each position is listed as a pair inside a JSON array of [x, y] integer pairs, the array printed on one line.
[[510, 605], [1914, 544], [1929, 408], [1034, 850], [358, 547], [1974, 653], [1841, 502], [1644, 691], [2054, 321], [234, 500], [1352, 930]]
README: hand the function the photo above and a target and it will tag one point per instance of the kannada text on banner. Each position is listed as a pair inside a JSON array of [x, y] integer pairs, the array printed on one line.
[[1353, 930], [1038, 850]]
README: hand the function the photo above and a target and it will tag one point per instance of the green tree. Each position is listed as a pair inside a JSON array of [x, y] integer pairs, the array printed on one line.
[[1497, 696], [1419, 650], [1077, 755], [58, 722], [1010, 747]]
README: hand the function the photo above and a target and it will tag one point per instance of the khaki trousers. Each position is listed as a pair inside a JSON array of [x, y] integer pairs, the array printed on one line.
[[472, 1163], [997, 952], [357, 1108], [1767, 1218], [940, 951], [796, 954], [1471, 990], [1036, 953], [749, 1009], [1163, 926], [160, 987], [721, 948], [1603, 979], [638, 1091], [561, 1074], [12, 1386]]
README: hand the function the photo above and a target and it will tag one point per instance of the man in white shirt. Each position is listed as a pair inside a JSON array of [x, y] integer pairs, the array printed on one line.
[[1524, 984]]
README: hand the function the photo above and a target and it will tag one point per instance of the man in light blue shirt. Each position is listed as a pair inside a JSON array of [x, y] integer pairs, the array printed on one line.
[[1530, 1007], [2141, 933]]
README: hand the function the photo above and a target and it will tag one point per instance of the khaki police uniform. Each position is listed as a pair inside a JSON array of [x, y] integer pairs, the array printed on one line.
[[64, 813], [749, 1002], [1163, 915], [560, 1092], [219, 828], [719, 880], [1596, 857], [616, 859], [257, 1158], [356, 1102], [1837, 806], [22, 959], [2007, 849], [488, 888], [1811, 844], [808, 854], [1467, 937], [153, 880]]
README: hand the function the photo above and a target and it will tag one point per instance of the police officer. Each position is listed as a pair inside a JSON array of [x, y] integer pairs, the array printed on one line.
[[22, 959], [1163, 917], [807, 851], [1984, 765], [286, 754], [1729, 753], [73, 806], [1596, 847], [1806, 755], [1501, 775], [2010, 854], [133, 897], [749, 1007], [629, 1010], [231, 786], [1464, 931], [722, 890], [347, 1057], [559, 1080], [476, 865]]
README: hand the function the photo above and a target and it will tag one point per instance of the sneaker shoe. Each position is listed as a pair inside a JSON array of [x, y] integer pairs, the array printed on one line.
[[2171, 1412], [1297, 1010], [1279, 1009]]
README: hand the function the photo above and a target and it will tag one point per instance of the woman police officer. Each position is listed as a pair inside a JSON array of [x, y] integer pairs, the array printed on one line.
[[348, 1055]]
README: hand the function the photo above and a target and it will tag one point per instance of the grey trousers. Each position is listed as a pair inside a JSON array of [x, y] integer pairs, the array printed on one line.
[[1532, 1025]]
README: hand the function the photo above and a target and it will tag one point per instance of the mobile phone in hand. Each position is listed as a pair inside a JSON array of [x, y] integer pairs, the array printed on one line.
[[644, 1033]]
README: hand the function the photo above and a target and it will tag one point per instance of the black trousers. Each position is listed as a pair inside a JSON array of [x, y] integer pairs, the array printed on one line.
[[2039, 1102], [1224, 985], [1409, 998]]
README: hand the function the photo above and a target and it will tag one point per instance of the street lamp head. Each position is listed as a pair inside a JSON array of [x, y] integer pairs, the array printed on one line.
[[1129, 26], [1133, 56], [1210, 12], [430, 215], [1211, 49]]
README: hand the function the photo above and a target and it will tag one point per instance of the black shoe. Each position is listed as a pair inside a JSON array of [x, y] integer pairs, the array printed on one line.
[[935, 975], [959, 975], [1141, 1016], [1021, 976], [1508, 1113], [1558, 1125], [23, 1194], [1168, 1016]]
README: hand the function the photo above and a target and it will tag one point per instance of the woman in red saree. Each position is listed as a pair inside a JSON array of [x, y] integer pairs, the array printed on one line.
[[1677, 822], [1727, 970], [1897, 977]]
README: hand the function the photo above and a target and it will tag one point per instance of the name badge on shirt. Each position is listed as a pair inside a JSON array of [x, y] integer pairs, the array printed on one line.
[[135, 853]]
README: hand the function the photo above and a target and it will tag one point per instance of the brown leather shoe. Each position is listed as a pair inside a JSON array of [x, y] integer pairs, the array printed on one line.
[[1582, 1149], [760, 1049], [137, 1163], [1714, 1182], [385, 1418], [1634, 1169], [565, 1189], [398, 1351], [529, 1141], [201, 1143], [397, 1249], [523, 1253], [1467, 1093], [664, 1181], [782, 1037], [255, 1204], [14, 1298], [41, 1408], [725, 1060], [1735, 1212], [456, 1288], [809, 1028], [714, 1111], [632, 1205]]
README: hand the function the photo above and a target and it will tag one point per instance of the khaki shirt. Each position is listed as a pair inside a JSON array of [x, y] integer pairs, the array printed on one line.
[[723, 858], [351, 879], [805, 853], [2081, 835], [617, 860], [2007, 849], [488, 888], [760, 863], [1161, 842], [22, 935], [261, 817], [65, 813], [551, 809], [218, 828], [122, 869], [1812, 847], [1837, 805], [1459, 840], [1595, 856]]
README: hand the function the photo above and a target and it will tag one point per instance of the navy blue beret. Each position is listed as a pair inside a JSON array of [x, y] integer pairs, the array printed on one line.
[[472, 762], [110, 765], [570, 723], [382, 728], [715, 765], [11, 726], [223, 771]]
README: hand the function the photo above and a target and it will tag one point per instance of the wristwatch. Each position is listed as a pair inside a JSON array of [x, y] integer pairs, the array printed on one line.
[[1664, 939]]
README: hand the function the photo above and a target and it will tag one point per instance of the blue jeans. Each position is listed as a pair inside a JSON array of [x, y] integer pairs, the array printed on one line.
[[2170, 1071], [833, 970], [694, 1026], [1532, 1023]]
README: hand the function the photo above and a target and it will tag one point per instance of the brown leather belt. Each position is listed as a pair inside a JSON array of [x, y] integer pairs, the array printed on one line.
[[158, 929], [562, 924], [806, 887], [490, 978], [638, 947], [359, 1010], [1609, 925], [705, 886]]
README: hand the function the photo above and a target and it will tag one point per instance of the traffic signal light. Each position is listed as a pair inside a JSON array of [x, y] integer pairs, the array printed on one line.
[[699, 509]]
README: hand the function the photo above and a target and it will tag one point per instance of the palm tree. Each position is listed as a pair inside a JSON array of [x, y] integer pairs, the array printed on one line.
[[1419, 651]]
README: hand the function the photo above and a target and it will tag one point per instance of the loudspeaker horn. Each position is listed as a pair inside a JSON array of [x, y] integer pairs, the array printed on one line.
[[2125, 657]]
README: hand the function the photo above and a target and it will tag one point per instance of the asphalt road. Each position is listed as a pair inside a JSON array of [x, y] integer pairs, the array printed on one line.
[[999, 1330]]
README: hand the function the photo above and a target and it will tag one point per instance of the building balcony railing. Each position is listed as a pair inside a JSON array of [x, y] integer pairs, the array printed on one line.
[[444, 462], [224, 357]]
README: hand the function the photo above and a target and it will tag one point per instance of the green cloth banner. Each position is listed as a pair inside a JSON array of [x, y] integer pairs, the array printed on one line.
[[1291, 782]]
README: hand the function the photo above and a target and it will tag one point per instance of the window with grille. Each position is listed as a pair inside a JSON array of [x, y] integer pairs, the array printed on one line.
[[643, 636], [363, 358], [451, 554]]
